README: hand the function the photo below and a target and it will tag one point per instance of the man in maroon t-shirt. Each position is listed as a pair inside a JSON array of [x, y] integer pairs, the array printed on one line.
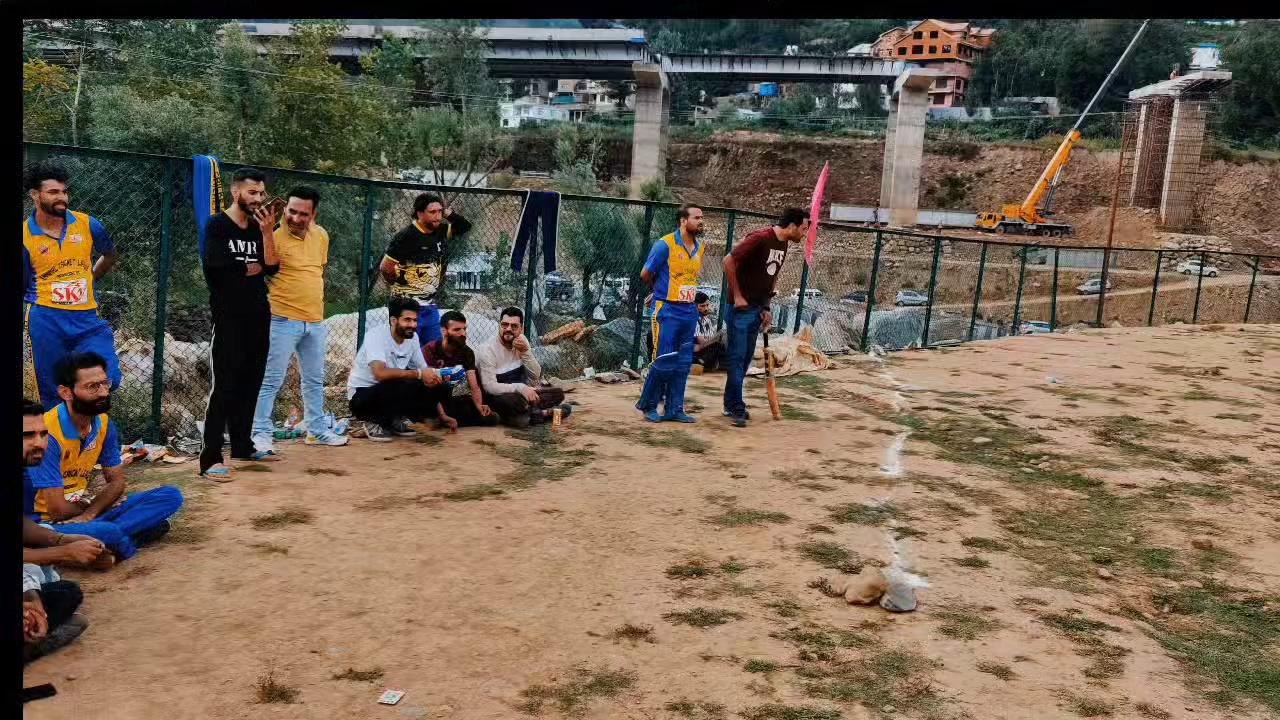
[[751, 271], [449, 351]]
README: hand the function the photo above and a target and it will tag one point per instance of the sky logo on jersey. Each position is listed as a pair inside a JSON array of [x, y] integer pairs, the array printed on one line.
[[75, 239]]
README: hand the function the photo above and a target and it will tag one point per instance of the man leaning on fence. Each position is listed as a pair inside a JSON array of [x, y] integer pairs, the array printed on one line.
[[296, 293], [417, 259], [58, 273], [239, 253]]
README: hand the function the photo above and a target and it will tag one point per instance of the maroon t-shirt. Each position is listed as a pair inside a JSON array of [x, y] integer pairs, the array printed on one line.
[[438, 356], [759, 257]]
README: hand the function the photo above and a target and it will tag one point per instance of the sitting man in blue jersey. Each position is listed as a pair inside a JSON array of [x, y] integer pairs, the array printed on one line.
[[672, 269], [80, 437]]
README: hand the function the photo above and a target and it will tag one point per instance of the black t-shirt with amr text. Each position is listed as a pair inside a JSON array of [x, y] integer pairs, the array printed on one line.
[[228, 250]]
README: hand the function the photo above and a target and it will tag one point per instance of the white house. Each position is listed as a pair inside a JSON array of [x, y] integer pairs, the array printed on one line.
[[530, 109]]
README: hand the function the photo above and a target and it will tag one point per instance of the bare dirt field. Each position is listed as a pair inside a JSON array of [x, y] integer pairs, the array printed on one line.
[[1097, 516]]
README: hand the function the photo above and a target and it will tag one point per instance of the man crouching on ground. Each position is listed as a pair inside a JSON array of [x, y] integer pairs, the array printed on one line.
[[510, 374]]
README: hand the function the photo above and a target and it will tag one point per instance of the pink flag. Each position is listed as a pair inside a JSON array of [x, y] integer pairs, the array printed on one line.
[[815, 206]]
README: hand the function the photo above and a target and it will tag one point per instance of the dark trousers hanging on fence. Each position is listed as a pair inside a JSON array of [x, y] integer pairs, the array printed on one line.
[[238, 358], [539, 207]]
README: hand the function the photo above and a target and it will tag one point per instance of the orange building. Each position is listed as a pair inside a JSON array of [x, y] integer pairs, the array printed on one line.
[[949, 47]]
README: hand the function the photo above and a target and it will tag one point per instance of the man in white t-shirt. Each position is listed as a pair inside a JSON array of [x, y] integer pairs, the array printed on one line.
[[390, 381]]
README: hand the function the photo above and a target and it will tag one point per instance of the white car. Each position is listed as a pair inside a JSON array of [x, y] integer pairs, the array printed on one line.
[[809, 293], [1092, 286], [1035, 327], [1192, 267]]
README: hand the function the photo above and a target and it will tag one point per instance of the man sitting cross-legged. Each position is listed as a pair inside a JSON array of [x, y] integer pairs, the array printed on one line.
[[465, 406], [390, 382], [81, 435], [509, 376]]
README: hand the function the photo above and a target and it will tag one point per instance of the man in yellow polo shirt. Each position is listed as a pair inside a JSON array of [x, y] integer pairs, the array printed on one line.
[[296, 293]]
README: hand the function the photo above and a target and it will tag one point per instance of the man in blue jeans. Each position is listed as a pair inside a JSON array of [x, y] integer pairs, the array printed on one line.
[[296, 294], [81, 435], [751, 270]]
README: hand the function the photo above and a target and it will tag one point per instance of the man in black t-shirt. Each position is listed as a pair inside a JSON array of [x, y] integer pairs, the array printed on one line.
[[239, 253], [418, 256], [466, 406]]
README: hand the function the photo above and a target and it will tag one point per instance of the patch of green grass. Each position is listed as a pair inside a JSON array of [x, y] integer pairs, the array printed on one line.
[[739, 517], [691, 569], [1156, 559], [674, 439], [633, 633], [965, 623], [696, 710], [337, 472], [983, 543], [793, 476], [819, 528], [1217, 630], [1242, 417], [791, 412], [819, 643], [478, 491], [1004, 672], [572, 695], [906, 531], [281, 519], [972, 561], [1089, 707], [1208, 491], [891, 676], [702, 617], [803, 382], [270, 690], [1075, 625], [789, 712], [1147, 710], [860, 514], [1104, 668], [732, 567], [831, 555], [823, 586], [359, 675], [760, 666], [786, 608], [270, 548]]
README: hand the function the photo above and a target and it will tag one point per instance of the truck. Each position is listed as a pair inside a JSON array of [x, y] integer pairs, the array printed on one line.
[[1029, 218]]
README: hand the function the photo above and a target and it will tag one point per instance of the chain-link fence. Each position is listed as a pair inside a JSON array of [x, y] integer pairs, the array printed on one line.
[[867, 286]]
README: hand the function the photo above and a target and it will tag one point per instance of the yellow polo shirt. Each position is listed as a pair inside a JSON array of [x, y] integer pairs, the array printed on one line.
[[297, 290]]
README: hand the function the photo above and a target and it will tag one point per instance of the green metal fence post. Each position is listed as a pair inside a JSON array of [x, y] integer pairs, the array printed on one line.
[[1102, 286], [804, 284], [1248, 304], [933, 283], [366, 277], [1195, 310], [163, 263], [1017, 301], [1053, 298], [871, 293], [724, 282], [635, 332], [977, 290], [1155, 288]]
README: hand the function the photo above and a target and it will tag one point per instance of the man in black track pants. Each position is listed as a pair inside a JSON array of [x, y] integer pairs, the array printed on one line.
[[239, 253]]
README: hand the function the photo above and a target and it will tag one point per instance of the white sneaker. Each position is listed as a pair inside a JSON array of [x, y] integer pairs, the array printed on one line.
[[377, 433], [327, 438], [263, 443]]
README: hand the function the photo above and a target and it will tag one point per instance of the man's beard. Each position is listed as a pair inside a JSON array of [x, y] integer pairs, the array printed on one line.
[[400, 333], [247, 206], [508, 338], [33, 458], [53, 209], [89, 407], [453, 342]]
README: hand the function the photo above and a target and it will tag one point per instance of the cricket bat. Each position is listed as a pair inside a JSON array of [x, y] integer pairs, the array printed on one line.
[[770, 385]]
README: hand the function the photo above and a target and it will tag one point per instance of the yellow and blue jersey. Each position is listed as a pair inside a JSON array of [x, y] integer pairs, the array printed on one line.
[[69, 460], [675, 269], [58, 272]]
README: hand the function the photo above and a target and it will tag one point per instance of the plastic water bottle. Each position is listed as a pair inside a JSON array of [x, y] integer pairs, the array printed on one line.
[[453, 375]]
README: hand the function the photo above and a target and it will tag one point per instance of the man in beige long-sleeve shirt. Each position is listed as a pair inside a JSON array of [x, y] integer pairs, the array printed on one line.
[[510, 375]]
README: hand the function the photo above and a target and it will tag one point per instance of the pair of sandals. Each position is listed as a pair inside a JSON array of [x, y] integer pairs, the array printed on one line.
[[220, 472]]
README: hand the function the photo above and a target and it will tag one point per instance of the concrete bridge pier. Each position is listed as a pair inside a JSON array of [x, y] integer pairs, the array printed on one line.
[[649, 136], [904, 146]]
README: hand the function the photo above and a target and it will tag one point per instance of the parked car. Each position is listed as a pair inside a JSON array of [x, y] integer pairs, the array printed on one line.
[[1034, 327], [910, 298], [809, 294], [855, 298], [1192, 267], [559, 287], [1092, 286]]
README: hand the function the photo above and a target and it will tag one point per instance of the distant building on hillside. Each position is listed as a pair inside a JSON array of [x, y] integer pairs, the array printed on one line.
[[949, 47], [1205, 56]]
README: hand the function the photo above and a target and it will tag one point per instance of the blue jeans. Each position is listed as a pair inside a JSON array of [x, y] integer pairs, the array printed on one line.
[[740, 345], [429, 323], [307, 340], [117, 526]]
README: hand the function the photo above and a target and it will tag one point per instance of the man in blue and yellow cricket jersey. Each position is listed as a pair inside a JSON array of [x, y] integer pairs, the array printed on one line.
[[81, 435], [58, 246], [672, 269]]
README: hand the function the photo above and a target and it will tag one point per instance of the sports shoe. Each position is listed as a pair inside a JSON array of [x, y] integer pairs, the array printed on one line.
[[746, 415], [739, 420], [653, 416], [326, 438], [377, 433], [400, 427], [682, 417]]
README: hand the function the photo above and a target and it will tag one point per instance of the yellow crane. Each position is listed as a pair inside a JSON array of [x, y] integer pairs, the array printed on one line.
[[1029, 217]]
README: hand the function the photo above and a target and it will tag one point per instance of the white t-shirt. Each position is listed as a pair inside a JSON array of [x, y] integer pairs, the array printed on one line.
[[380, 346]]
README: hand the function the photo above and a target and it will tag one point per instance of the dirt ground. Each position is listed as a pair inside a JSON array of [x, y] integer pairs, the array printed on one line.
[[1096, 515]]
